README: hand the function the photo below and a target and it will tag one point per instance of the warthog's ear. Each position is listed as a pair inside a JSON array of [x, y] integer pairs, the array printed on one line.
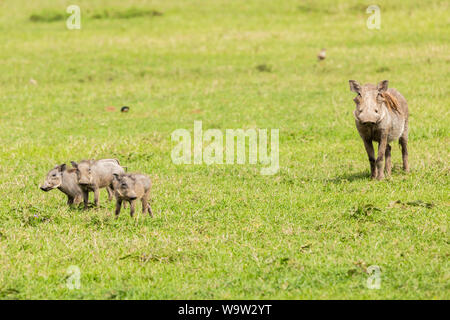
[[354, 86], [383, 86], [62, 167], [74, 164]]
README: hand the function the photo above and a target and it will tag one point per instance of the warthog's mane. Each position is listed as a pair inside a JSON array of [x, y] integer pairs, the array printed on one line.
[[391, 102]]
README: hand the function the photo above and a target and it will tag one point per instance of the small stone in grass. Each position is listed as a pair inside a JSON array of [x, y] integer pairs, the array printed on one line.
[[125, 109]]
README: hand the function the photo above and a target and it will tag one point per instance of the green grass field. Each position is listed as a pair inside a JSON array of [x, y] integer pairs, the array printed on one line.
[[223, 231]]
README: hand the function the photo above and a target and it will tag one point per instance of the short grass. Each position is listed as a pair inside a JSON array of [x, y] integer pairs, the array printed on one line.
[[223, 231]]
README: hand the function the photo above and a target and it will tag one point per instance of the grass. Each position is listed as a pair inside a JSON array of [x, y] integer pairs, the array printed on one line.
[[223, 231]]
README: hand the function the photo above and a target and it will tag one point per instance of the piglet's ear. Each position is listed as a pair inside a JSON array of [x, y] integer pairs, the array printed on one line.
[[62, 167], [383, 86], [354, 86], [74, 164]]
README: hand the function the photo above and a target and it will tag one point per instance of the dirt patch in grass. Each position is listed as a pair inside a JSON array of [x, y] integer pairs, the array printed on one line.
[[47, 16], [129, 13]]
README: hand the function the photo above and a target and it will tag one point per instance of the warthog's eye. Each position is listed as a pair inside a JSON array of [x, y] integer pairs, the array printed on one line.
[[376, 110], [123, 185]]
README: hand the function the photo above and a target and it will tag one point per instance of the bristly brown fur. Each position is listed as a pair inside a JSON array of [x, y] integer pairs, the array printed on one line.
[[391, 102]]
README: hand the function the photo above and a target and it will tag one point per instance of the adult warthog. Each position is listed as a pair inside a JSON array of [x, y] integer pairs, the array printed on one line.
[[381, 115]]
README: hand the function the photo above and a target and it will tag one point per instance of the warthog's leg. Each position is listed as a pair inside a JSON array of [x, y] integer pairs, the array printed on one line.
[[371, 153], [404, 143], [388, 165], [132, 207], [69, 200], [86, 199], [149, 209], [118, 206], [146, 205], [96, 196], [381, 150], [109, 189]]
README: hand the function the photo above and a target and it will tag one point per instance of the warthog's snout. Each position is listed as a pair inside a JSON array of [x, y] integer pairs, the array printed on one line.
[[368, 118], [133, 198], [43, 188]]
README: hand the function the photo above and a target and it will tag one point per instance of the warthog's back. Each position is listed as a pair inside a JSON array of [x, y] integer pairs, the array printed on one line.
[[143, 180], [70, 184], [109, 160], [104, 169]]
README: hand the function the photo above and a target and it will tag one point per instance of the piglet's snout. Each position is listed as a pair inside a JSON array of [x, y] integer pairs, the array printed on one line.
[[132, 196]]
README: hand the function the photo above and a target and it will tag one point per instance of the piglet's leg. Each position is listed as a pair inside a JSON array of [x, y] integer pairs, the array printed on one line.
[[110, 192], [86, 199], [96, 196], [132, 207], [144, 205], [118, 207], [149, 209]]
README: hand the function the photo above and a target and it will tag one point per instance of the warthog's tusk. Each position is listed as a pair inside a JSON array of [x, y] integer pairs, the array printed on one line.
[[382, 116]]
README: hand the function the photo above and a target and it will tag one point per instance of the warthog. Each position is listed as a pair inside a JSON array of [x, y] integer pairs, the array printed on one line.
[[130, 187], [93, 175], [66, 181], [381, 115]]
